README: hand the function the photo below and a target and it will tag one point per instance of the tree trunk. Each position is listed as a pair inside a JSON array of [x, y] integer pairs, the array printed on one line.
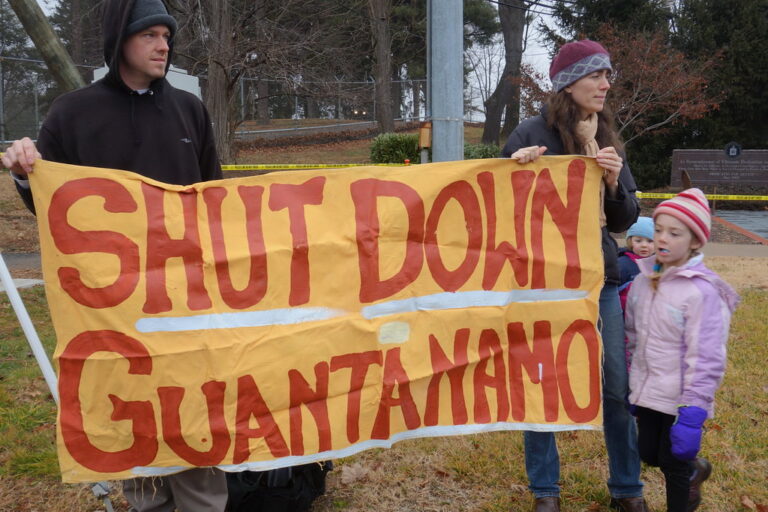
[[262, 101], [416, 88], [219, 91], [380, 12], [397, 95], [77, 32], [48, 44], [507, 92], [313, 108]]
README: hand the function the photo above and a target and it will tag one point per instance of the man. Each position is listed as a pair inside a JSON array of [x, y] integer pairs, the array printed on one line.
[[134, 120]]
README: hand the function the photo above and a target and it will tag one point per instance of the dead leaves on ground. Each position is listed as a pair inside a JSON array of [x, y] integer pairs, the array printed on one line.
[[747, 502]]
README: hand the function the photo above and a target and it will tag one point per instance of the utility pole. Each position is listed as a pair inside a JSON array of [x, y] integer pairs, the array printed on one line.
[[47, 43], [445, 76], [2, 106]]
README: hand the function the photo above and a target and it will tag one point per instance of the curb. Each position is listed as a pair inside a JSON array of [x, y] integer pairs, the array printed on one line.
[[741, 230]]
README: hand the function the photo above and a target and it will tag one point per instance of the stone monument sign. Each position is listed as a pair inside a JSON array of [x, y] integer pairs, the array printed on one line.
[[718, 167]]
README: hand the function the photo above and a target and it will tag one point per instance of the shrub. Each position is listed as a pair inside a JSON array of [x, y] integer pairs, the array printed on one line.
[[474, 151], [394, 148]]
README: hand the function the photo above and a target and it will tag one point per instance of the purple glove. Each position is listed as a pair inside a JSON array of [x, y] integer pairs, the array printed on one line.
[[685, 433]]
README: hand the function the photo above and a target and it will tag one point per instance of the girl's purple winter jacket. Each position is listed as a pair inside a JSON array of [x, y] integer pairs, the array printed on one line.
[[677, 336]]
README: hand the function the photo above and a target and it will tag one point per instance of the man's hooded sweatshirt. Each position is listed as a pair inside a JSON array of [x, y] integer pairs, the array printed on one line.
[[164, 134]]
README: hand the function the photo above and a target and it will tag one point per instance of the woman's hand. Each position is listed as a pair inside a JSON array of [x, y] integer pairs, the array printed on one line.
[[611, 162], [529, 154]]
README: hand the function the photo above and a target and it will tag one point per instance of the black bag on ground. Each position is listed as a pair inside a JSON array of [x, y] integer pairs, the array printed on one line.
[[290, 489]]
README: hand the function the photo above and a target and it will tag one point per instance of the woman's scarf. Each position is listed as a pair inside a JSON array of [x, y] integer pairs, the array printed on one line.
[[585, 132]]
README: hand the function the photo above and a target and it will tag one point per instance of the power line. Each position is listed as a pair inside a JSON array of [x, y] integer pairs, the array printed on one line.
[[541, 4], [36, 61], [526, 9]]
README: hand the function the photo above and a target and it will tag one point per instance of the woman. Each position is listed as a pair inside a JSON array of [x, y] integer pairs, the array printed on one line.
[[576, 120]]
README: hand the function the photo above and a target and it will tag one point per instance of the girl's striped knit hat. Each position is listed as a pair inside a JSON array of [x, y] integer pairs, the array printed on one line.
[[692, 209]]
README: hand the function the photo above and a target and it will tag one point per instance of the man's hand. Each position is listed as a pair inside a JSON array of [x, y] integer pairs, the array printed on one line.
[[529, 154], [20, 156]]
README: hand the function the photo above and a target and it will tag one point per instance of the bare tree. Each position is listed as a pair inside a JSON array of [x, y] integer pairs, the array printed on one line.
[[512, 16], [485, 66], [655, 85], [221, 78]]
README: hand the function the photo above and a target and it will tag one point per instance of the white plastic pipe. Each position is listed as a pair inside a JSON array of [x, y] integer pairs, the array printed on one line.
[[99, 489], [29, 330]]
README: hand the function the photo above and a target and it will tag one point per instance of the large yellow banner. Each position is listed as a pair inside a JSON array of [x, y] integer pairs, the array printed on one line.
[[267, 321]]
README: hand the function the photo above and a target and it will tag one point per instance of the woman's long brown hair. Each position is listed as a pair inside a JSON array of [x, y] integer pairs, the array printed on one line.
[[563, 114]]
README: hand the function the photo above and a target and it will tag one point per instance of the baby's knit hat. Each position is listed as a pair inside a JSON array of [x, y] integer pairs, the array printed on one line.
[[692, 209], [643, 227], [148, 13], [576, 60]]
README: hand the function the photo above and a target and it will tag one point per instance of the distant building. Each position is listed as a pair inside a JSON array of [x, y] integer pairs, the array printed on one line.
[[178, 78]]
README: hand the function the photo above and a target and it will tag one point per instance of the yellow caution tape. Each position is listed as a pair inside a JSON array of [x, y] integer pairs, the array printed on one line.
[[722, 197], [640, 195]]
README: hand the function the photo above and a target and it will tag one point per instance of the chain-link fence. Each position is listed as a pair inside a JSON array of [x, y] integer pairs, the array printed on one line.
[[27, 90]]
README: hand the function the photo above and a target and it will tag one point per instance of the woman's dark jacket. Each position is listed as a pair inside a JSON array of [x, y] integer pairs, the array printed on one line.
[[620, 212], [164, 134]]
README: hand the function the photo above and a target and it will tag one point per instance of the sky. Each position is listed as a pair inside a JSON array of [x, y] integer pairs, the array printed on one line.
[[47, 5], [535, 53]]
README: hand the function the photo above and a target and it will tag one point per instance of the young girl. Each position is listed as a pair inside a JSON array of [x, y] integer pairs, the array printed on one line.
[[677, 320], [639, 245]]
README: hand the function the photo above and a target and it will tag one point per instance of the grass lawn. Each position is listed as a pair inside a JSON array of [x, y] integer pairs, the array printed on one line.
[[482, 472], [351, 152]]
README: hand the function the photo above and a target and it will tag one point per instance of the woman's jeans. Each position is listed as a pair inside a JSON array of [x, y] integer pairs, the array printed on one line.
[[542, 462]]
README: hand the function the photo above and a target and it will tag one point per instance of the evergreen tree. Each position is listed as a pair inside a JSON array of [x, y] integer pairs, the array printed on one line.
[[738, 29]]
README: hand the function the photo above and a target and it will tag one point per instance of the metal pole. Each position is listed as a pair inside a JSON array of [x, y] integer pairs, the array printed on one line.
[[29, 330], [99, 489], [446, 77]]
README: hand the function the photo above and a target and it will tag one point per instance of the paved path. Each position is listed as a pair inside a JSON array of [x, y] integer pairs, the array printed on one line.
[[745, 251]]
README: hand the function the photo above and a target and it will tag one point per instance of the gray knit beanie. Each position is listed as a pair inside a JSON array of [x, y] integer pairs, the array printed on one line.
[[148, 13]]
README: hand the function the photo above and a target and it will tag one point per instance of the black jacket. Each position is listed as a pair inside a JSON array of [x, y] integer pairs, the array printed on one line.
[[620, 212], [164, 134]]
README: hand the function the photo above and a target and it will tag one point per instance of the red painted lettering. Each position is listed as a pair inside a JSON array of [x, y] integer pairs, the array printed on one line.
[[295, 198], [537, 358], [452, 280], [144, 429], [170, 403], [258, 277], [317, 403], [566, 218], [588, 333], [70, 240], [161, 247], [496, 255], [251, 404], [359, 364], [364, 195], [394, 375], [490, 347], [455, 369]]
